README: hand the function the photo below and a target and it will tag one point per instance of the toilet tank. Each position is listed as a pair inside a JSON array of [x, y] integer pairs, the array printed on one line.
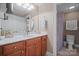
[[70, 38]]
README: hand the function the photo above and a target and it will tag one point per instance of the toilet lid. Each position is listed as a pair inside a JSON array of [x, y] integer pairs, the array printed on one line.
[[70, 38]]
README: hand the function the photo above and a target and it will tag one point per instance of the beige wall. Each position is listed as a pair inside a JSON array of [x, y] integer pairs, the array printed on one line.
[[46, 11], [72, 15], [48, 16], [47, 7]]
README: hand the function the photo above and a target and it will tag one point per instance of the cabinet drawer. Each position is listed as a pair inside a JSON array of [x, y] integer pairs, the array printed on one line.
[[11, 48]]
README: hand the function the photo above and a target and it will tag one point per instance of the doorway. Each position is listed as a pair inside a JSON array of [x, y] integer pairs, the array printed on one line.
[[68, 29]]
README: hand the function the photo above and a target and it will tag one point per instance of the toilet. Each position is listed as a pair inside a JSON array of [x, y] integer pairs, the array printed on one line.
[[70, 41]]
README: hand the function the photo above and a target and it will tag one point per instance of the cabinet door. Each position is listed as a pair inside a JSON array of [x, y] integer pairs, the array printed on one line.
[[38, 46], [0, 51], [12, 48], [34, 47], [44, 45], [30, 50]]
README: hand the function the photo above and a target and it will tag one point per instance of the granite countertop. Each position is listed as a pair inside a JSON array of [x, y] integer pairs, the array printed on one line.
[[17, 38]]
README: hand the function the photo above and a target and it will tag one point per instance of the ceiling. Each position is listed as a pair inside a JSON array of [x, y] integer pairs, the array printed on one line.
[[64, 7], [61, 7], [20, 11]]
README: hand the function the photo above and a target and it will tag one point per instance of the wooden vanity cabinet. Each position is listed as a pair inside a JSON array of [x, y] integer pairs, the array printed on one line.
[[14, 49], [33, 47], [44, 45]]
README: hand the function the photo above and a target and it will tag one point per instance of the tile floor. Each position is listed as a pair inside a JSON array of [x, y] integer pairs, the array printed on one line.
[[49, 54], [67, 52]]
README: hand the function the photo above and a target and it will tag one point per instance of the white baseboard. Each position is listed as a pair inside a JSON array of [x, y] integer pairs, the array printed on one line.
[[49, 54]]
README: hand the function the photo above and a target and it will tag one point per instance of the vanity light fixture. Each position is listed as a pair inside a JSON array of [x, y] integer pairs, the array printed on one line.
[[71, 7]]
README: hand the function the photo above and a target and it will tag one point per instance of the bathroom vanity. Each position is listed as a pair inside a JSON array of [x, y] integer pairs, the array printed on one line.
[[23, 35], [32, 45]]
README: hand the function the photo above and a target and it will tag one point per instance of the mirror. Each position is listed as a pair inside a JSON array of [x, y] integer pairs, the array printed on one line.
[[19, 23], [32, 25]]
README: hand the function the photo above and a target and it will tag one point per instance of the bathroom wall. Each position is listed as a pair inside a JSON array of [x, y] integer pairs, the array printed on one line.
[[48, 16], [72, 16], [49, 11], [60, 29], [46, 11], [53, 28], [14, 24]]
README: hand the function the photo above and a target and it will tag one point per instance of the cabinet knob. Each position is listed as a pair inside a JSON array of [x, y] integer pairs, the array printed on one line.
[[15, 47]]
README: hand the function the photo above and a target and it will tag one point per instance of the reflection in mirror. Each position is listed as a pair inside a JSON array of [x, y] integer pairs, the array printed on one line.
[[34, 18], [17, 23], [32, 25]]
